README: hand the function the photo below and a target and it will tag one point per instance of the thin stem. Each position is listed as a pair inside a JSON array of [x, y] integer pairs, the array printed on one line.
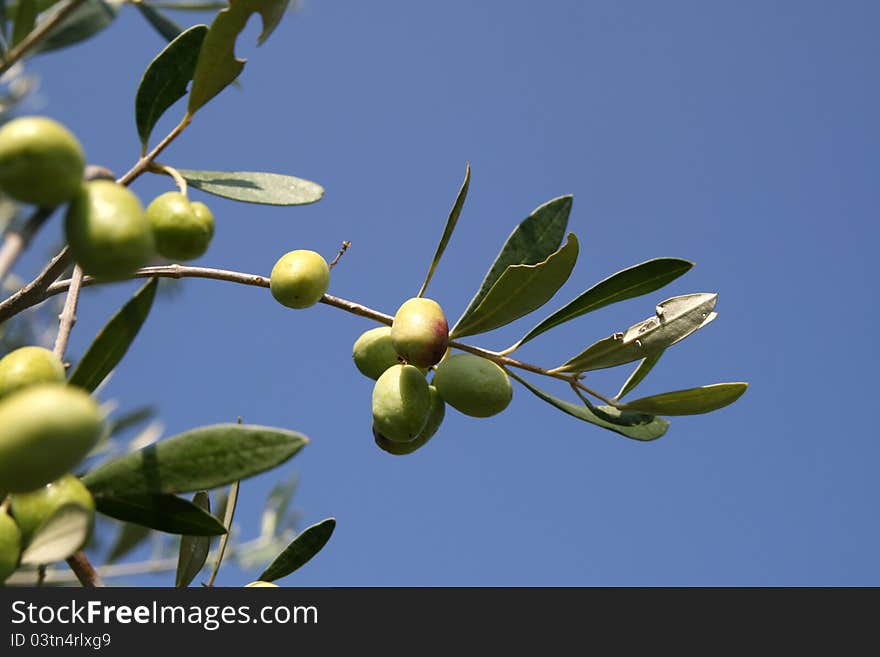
[[67, 318], [38, 34], [179, 180], [86, 574], [17, 240], [345, 246], [144, 163], [35, 291]]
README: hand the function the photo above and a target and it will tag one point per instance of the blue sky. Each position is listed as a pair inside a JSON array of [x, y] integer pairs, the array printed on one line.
[[742, 136]]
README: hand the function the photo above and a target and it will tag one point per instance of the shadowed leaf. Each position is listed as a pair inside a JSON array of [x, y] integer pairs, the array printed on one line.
[[255, 186], [193, 549], [25, 18], [59, 536], [451, 221], [166, 513], [167, 28], [85, 22], [301, 549], [129, 537], [692, 401]]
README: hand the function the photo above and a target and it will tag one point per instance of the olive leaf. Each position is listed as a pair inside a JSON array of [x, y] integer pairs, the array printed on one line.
[[167, 28], [637, 426], [255, 186], [130, 535], [532, 241], [674, 320], [25, 19], [300, 551], [199, 459], [692, 401], [165, 513], [451, 221], [217, 66], [520, 290], [638, 375], [62, 534], [166, 79], [111, 343], [193, 549], [628, 283], [85, 22]]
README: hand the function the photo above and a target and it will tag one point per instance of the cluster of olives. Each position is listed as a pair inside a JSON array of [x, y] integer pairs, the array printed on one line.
[[407, 410], [109, 233], [46, 429]]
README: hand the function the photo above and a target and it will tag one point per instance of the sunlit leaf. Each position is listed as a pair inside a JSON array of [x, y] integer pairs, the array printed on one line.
[[193, 549], [674, 320], [255, 186], [531, 242], [692, 401], [451, 221], [300, 551], [85, 22], [626, 284], [218, 67], [632, 425], [165, 513], [520, 290], [639, 373], [166, 79], [199, 459], [111, 343], [65, 531], [167, 28]]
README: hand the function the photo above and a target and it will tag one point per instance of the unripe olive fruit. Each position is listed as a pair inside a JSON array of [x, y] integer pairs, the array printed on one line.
[[299, 279], [27, 366], [45, 430], [435, 419], [182, 230], [401, 402], [472, 385], [260, 583], [109, 235], [10, 546], [419, 332], [373, 352], [32, 509], [41, 162]]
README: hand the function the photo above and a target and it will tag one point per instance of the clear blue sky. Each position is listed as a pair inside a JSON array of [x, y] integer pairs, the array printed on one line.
[[740, 135]]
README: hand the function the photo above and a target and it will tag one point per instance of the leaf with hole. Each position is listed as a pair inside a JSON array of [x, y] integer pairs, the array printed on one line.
[[62, 534], [674, 320], [163, 512], [520, 290], [626, 284], [533, 240], [166, 79], [300, 551], [218, 67], [111, 343], [255, 186], [199, 459], [451, 221], [193, 549], [692, 401], [632, 425]]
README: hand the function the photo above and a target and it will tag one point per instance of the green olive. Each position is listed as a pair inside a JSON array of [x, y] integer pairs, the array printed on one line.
[[435, 419], [401, 403], [109, 235], [10, 546], [182, 230], [373, 352], [45, 431], [472, 385], [299, 279], [32, 509], [419, 333], [27, 366], [41, 162]]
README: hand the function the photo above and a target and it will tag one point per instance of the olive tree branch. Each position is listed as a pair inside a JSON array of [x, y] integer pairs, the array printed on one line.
[[67, 318], [17, 239], [38, 34]]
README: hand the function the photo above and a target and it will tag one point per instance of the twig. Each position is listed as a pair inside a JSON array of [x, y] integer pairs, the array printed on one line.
[[67, 318], [84, 571], [17, 240], [345, 245], [144, 163], [38, 34], [35, 291]]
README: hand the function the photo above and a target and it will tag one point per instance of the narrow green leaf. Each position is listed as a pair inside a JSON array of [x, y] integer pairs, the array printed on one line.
[[199, 459], [59, 536], [255, 186], [129, 537], [532, 241], [91, 17], [675, 319], [25, 19], [451, 221], [193, 549], [131, 419], [166, 513], [639, 373], [167, 28], [111, 343], [632, 425], [628, 283], [301, 549], [692, 401], [217, 66], [166, 78], [520, 290]]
